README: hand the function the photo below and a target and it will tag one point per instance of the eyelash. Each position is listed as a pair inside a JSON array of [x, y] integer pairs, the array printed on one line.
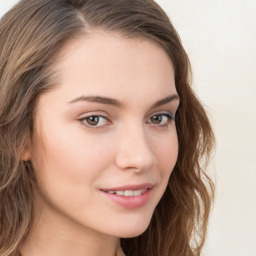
[[169, 117], [84, 120]]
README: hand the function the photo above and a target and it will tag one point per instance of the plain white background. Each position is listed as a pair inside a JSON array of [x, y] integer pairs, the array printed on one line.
[[220, 38]]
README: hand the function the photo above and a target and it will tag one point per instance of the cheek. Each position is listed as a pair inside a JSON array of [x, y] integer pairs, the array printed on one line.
[[167, 154], [67, 168], [74, 158]]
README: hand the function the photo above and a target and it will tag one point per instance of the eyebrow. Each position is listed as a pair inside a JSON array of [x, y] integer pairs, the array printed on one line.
[[116, 103], [166, 100]]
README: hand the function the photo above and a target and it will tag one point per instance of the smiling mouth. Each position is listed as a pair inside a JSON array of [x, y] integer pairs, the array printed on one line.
[[128, 192], [130, 196]]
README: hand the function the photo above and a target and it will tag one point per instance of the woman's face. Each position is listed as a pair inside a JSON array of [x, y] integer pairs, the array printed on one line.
[[105, 142]]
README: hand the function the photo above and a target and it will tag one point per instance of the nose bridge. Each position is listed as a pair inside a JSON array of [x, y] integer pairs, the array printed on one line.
[[134, 149]]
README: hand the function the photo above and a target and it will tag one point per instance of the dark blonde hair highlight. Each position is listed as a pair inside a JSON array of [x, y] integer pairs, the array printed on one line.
[[31, 34]]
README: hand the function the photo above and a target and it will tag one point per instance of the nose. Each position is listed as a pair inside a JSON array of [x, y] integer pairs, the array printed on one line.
[[134, 150]]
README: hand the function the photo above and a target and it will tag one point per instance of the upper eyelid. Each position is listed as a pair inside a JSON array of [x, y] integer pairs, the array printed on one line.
[[98, 115], [93, 113], [170, 116], [106, 115], [109, 121], [81, 119], [164, 112]]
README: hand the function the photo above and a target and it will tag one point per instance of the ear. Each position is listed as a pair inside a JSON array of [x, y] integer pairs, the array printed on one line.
[[25, 154]]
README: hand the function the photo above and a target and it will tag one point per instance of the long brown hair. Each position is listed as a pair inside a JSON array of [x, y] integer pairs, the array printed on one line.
[[30, 35]]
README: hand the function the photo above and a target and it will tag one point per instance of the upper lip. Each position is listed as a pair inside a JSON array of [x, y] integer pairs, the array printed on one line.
[[130, 187]]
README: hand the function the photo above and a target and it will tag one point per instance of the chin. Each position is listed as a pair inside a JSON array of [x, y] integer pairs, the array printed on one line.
[[133, 229], [135, 233]]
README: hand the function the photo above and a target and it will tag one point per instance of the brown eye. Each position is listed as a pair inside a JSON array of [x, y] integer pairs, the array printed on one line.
[[157, 119], [92, 120], [161, 119], [96, 121]]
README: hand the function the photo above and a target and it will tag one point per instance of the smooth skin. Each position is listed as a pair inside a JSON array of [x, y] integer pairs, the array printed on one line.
[[81, 146]]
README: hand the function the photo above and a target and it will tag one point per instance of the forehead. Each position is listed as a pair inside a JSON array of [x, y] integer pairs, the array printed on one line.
[[109, 63]]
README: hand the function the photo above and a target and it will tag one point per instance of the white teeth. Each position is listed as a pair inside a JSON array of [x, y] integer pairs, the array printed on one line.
[[137, 192], [129, 192]]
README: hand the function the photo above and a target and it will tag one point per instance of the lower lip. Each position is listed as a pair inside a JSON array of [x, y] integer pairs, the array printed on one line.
[[130, 202]]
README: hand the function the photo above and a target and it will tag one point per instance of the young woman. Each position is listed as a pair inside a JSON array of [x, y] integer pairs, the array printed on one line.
[[102, 138]]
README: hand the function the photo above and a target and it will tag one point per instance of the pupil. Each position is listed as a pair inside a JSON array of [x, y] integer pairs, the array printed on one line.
[[156, 119], [93, 120]]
